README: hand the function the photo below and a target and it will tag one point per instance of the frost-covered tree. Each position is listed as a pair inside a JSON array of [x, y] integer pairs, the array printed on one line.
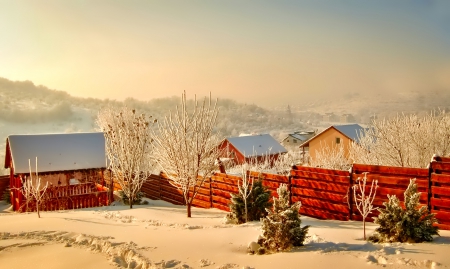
[[404, 140], [187, 147], [410, 223], [363, 201], [281, 227], [32, 190], [128, 147], [331, 157], [257, 202]]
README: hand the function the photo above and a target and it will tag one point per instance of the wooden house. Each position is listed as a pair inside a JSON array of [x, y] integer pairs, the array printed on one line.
[[332, 136], [297, 138], [73, 165], [243, 149]]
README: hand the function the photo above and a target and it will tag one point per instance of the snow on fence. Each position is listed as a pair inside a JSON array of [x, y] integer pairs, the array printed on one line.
[[439, 196], [325, 193]]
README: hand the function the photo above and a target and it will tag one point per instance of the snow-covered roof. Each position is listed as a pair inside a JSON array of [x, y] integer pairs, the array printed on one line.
[[256, 145], [299, 137], [56, 152], [350, 130]]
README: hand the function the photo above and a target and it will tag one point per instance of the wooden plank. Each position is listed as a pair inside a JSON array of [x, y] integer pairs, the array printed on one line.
[[221, 207], [394, 180], [440, 190], [229, 181], [440, 166], [339, 188], [225, 187], [322, 205], [319, 214], [338, 198], [440, 202], [442, 216], [271, 184], [389, 170], [440, 178], [217, 192], [443, 226], [318, 176], [201, 204], [221, 200], [321, 170], [266, 176]]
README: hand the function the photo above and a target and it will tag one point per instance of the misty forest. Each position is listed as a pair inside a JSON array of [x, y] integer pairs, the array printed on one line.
[[27, 109]]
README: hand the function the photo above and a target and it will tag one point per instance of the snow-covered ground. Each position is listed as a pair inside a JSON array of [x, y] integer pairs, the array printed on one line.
[[160, 235]]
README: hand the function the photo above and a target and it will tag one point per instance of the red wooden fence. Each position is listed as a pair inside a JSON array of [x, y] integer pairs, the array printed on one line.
[[322, 192], [392, 181], [440, 191], [325, 193], [83, 195]]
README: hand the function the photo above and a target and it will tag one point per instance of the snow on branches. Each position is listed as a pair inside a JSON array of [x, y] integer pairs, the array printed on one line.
[[363, 202], [187, 148], [32, 189], [128, 147]]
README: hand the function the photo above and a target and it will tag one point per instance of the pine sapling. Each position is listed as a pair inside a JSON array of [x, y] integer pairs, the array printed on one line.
[[364, 203], [411, 223]]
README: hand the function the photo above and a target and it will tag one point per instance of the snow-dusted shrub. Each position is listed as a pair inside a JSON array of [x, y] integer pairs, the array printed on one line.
[[124, 198], [281, 227], [405, 224], [257, 202]]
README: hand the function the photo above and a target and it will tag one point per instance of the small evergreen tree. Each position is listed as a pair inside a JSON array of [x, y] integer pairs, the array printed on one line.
[[408, 224], [257, 202], [281, 227]]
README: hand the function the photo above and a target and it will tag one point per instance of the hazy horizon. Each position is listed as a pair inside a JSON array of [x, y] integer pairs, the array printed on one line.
[[262, 52]]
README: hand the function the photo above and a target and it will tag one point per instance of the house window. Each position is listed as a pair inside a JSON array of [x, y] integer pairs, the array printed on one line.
[[295, 141], [338, 140], [287, 140]]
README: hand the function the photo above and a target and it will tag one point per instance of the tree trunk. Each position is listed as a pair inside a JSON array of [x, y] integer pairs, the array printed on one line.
[[188, 210], [364, 228], [37, 209]]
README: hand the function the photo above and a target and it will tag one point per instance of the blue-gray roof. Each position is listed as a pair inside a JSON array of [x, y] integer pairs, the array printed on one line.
[[299, 137], [351, 130], [57, 152], [256, 145]]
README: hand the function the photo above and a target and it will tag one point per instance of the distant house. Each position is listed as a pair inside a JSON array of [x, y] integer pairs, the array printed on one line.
[[333, 135], [297, 138], [72, 164], [242, 149]]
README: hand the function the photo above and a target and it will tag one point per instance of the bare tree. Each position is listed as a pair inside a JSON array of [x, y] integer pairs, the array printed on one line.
[[32, 189], [404, 140], [364, 203], [331, 157], [187, 148], [128, 147], [245, 188]]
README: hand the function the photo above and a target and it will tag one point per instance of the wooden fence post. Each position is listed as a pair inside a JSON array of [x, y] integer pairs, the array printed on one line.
[[210, 193], [289, 185], [430, 173], [350, 195]]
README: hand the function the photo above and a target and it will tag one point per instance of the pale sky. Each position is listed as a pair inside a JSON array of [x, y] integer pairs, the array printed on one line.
[[262, 52]]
